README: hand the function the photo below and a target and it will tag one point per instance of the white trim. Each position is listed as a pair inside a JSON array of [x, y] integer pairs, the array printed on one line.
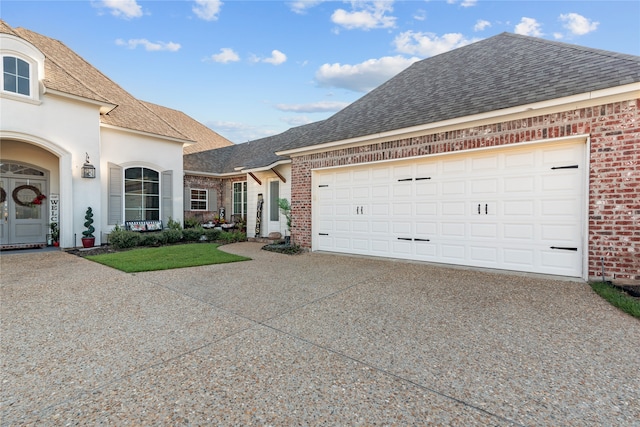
[[143, 133], [239, 171], [619, 93], [105, 107], [268, 167], [213, 174], [585, 214], [191, 199]]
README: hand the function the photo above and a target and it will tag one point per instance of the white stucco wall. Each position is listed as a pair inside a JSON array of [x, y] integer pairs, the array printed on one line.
[[129, 149]]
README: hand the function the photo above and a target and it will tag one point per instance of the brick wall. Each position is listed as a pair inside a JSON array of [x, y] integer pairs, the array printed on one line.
[[614, 178], [203, 183]]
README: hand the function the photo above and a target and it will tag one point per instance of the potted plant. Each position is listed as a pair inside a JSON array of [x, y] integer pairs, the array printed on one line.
[[285, 207], [88, 239], [55, 233]]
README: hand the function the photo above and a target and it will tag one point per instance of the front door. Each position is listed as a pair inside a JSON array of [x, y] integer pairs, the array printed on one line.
[[273, 210], [24, 205]]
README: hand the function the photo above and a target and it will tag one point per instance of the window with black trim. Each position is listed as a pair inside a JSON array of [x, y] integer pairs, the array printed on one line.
[[16, 75], [141, 194], [199, 199]]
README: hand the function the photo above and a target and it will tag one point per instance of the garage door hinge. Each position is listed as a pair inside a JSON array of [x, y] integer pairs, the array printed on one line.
[[422, 179], [324, 185], [405, 179], [565, 167], [415, 240], [323, 234], [564, 248], [422, 240]]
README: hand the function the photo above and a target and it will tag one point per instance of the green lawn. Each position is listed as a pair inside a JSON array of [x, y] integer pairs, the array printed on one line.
[[618, 298], [166, 257]]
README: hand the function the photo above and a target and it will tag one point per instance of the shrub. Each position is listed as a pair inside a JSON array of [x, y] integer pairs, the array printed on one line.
[[122, 239], [149, 239], [212, 235], [191, 223], [232, 237], [172, 235], [173, 224], [192, 234]]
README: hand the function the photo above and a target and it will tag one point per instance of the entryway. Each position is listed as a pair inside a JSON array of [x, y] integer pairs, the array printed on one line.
[[23, 204]]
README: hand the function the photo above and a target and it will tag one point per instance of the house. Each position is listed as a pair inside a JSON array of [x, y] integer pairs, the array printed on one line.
[[512, 153], [71, 138]]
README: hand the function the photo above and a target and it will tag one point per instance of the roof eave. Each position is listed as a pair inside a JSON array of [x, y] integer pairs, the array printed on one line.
[[105, 107], [627, 91], [153, 135]]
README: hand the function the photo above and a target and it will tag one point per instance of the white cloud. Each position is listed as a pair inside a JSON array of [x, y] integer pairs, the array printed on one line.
[[364, 76], [276, 58], [558, 36], [207, 9], [149, 46], [301, 6], [464, 3], [315, 107], [481, 25], [528, 27], [577, 24], [123, 8], [420, 15], [225, 56], [428, 44], [365, 16]]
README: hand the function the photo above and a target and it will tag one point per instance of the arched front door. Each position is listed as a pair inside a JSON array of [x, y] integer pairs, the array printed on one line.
[[24, 206]]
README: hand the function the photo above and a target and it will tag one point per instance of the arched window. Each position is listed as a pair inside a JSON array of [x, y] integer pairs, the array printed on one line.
[[141, 194], [16, 75]]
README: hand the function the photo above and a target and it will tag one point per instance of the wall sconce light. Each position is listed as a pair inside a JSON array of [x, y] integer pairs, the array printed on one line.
[[88, 170]]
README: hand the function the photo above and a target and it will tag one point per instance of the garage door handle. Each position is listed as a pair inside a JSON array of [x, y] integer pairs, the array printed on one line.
[[478, 208], [564, 248], [565, 167], [486, 209]]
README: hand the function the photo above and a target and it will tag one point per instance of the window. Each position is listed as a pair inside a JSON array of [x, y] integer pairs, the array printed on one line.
[[274, 195], [141, 194], [240, 198], [15, 75], [198, 199]]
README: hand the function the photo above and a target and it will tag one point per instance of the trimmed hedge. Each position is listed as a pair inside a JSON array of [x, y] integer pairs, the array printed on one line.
[[120, 238]]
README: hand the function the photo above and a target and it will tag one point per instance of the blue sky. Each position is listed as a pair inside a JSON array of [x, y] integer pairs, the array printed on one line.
[[250, 69]]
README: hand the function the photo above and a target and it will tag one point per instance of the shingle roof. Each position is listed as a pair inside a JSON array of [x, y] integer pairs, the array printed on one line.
[[67, 72], [249, 155], [205, 137], [503, 71], [500, 72]]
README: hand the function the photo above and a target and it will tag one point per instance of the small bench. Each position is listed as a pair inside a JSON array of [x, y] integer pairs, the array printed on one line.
[[147, 225]]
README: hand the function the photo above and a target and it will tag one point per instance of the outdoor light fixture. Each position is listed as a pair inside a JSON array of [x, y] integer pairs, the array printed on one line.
[[88, 170]]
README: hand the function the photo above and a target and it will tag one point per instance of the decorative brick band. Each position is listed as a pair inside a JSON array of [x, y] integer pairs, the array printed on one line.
[[614, 176]]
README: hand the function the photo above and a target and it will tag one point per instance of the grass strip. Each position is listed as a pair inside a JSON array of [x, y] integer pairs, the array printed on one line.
[[618, 298], [166, 257]]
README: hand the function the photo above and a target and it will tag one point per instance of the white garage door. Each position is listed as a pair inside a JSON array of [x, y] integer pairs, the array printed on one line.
[[518, 208]]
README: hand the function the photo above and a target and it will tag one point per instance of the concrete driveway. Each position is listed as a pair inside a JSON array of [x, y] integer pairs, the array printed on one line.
[[315, 339]]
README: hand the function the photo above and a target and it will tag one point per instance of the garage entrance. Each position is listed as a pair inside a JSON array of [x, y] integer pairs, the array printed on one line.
[[517, 208]]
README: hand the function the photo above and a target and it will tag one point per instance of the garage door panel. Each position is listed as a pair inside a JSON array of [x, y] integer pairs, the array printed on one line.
[[453, 208], [452, 229], [453, 188], [380, 209], [518, 232], [426, 208], [484, 231], [519, 207], [483, 254], [520, 160], [520, 184], [380, 227], [432, 213]]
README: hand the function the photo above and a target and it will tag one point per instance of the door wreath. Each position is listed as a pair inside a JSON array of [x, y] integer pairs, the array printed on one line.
[[3, 195], [32, 201]]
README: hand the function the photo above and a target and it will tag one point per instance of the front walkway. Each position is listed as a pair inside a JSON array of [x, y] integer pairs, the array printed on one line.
[[314, 339]]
